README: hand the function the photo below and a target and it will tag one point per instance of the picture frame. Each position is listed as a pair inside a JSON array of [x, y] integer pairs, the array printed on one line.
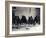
[[8, 17]]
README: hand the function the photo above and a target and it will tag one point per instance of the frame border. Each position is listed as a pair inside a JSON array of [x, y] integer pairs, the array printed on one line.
[[7, 4]]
